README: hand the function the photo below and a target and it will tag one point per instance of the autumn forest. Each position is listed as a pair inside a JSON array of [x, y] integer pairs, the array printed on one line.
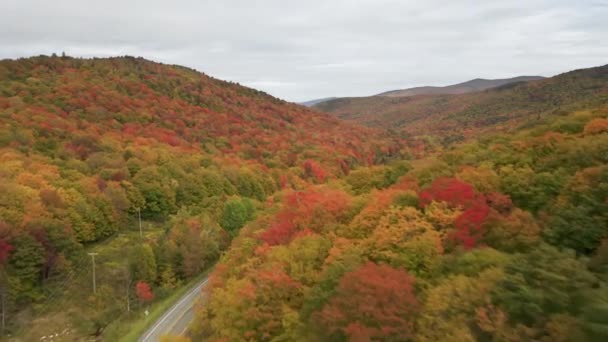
[[462, 217]]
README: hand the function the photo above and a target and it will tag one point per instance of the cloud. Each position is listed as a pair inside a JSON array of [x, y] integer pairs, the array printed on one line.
[[300, 50]]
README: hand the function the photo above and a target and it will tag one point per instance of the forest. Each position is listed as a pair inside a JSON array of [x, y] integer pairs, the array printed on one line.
[[454, 118], [493, 227], [499, 236], [500, 239], [87, 146]]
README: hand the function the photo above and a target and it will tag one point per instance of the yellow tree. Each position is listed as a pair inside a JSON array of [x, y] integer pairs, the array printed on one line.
[[403, 238]]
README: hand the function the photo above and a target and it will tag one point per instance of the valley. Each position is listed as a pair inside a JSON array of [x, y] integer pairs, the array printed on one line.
[[356, 219]]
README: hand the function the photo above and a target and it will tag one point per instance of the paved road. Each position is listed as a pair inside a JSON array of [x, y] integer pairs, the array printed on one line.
[[176, 320]]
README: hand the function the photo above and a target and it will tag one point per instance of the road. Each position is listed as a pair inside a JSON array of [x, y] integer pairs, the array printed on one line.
[[176, 320]]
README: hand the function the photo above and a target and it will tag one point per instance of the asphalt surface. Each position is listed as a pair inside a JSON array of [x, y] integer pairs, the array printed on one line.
[[176, 320]]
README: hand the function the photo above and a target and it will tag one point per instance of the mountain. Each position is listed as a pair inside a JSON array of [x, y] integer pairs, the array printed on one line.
[[471, 86], [87, 146], [463, 217], [475, 85], [458, 115], [501, 235], [315, 102]]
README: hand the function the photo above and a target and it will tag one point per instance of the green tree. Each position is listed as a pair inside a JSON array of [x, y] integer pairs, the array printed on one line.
[[544, 282], [24, 268], [158, 192], [237, 211], [143, 263]]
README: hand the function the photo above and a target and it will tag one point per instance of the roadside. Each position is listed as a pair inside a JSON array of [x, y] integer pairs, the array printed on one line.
[[132, 330]]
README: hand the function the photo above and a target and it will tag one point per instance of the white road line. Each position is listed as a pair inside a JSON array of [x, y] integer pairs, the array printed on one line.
[[168, 314], [184, 331]]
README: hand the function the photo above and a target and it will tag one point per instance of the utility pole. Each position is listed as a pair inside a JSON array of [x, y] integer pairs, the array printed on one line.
[[129, 281], [141, 234], [94, 284], [3, 323], [3, 288]]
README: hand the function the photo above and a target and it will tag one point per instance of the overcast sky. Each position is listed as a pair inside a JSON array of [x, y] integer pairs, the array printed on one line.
[[307, 49]]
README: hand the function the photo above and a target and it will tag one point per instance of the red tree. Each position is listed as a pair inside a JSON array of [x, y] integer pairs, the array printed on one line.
[[502, 203], [372, 302], [280, 232], [309, 209], [5, 251], [469, 225], [143, 291], [450, 190], [313, 169]]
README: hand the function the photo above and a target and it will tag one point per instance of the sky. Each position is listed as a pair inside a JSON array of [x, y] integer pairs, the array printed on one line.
[[309, 49]]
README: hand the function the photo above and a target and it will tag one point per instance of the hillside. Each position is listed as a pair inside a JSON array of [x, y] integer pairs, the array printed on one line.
[[86, 145], [471, 86], [469, 217], [317, 101], [501, 238], [454, 117]]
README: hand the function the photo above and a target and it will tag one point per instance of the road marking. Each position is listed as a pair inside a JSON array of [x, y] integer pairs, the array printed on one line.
[[183, 331], [175, 321], [168, 314]]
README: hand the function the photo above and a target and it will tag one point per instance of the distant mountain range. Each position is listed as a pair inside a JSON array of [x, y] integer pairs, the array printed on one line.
[[478, 84], [502, 107], [317, 101]]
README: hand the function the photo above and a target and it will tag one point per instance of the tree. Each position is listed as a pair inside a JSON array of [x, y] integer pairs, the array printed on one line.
[[237, 211], [373, 302], [247, 185], [312, 209], [449, 309], [596, 126], [450, 190], [594, 316], [213, 183], [484, 179], [158, 192], [442, 216], [529, 189], [24, 268], [5, 250], [143, 263], [469, 226], [543, 282], [313, 169], [404, 239], [280, 232], [577, 228], [253, 308], [192, 243], [516, 232], [302, 258], [579, 217], [143, 291]]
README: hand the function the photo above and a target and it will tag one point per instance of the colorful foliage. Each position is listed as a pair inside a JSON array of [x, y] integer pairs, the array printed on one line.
[[143, 291], [373, 302], [321, 225]]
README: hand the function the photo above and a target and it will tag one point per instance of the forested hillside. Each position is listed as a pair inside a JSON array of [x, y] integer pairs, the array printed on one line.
[[457, 117], [475, 85], [475, 217], [503, 237], [88, 145]]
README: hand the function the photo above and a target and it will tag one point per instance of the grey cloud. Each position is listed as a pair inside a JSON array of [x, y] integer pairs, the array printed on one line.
[[300, 50]]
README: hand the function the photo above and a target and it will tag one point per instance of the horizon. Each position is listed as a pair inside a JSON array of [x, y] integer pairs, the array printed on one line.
[[300, 52], [164, 177], [55, 54]]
